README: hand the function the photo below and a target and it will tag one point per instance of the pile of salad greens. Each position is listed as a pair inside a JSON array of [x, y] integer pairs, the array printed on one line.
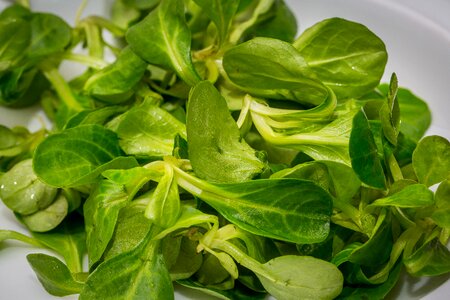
[[220, 151]]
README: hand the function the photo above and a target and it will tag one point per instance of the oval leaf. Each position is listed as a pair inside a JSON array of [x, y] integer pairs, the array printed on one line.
[[216, 149], [431, 160], [78, 155], [364, 155], [345, 55], [302, 277], [166, 33]]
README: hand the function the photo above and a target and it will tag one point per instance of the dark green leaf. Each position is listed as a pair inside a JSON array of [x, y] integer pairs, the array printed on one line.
[[22, 87], [373, 292], [138, 274], [166, 33], [280, 24], [364, 154], [431, 259], [147, 130], [239, 292], [14, 45], [54, 275], [221, 13], [101, 211], [94, 116], [115, 83], [78, 155], [287, 209], [188, 260], [273, 69], [216, 149], [131, 228], [377, 249], [49, 34]]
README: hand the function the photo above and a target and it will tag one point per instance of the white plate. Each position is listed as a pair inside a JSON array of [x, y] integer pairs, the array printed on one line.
[[417, 36]]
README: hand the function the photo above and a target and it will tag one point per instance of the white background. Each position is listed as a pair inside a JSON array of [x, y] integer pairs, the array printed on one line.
[[417, 36]]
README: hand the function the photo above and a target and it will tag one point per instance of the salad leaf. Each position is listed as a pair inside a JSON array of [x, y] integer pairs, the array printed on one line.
[[78, 155], [342, 54], [165, 31], [216, 149]]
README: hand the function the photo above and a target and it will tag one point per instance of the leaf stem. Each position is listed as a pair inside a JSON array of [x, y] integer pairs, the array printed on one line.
[[242, 258], [349, 210], [80, 11], [90, 61], [396, 172], [62, 88], [108, 25], [14, 235]]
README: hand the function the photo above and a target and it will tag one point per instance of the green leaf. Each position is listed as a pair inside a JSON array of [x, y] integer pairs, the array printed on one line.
[[274, 69], [147, 130], [221, 13], [344, 55], [442, 213], [94, 116], [78, 155], [415, 116], [319, 135], [239, 292], [380, 291], [138, 274], [54, 275], [189, 217], [431, 259], [286, 209], [412, 196], [123, 15], [377, 249], [22, 87], [102, 208], [48, 218], [431, 160], [254, 12], [14, 45], [22, 192], [188, 261], [216, 149], [337, 178], [114, 83], [390, 113], [49, 34], [131, 228], [364, 155], [101, 211], [302, 277], [68, 240], [164, 204], [165, 31], [279, 23]]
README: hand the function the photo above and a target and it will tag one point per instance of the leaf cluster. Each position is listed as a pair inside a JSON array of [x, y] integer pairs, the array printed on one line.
[[221, 151]]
